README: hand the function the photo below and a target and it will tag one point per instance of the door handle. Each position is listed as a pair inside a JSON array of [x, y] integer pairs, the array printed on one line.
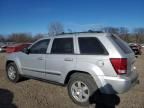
[[40, 58], [68, 59]]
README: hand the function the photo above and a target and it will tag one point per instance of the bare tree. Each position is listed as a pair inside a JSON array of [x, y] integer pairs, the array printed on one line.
[[2, 39], [20, 37], [55, 28], [38, 36], [69, 30], [110, 30], [123, 30], [123, 33], [139, 34]]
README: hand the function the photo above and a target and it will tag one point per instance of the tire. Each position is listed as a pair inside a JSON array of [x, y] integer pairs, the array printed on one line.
[[12, 72], [81, 87]]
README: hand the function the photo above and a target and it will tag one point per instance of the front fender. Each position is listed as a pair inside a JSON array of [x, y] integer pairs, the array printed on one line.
[[13, 58]]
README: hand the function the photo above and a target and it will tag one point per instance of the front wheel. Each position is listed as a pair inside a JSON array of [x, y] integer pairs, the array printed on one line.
[[12, 72], [80, 87]]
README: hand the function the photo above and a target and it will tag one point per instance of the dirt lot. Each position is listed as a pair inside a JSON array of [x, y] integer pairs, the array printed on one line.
[[36, 94]]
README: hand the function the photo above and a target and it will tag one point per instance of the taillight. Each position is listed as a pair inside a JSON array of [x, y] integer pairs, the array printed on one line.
[[120, 65]]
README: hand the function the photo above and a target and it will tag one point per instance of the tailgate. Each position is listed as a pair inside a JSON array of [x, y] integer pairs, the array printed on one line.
[[131, 63]]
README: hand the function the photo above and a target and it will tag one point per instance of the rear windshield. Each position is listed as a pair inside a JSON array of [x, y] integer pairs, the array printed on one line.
[[125, 48]]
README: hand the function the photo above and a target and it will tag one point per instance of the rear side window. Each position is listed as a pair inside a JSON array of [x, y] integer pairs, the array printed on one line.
[[125, 48], [62, 46], [91, 45]]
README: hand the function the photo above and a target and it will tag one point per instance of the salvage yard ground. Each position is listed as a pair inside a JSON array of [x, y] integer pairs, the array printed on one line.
[[37, 94]]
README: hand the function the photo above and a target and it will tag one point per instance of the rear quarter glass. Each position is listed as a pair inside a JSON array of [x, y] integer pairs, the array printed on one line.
[[122, 44], [91, 46]]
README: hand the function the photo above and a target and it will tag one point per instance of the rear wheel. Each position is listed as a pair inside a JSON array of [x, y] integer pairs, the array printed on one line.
[[80, 87], [12, 72]]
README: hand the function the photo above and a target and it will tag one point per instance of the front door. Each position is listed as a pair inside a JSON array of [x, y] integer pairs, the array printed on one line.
[[33, 63]]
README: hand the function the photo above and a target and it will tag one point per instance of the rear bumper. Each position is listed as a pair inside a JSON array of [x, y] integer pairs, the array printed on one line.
[[119, 84]]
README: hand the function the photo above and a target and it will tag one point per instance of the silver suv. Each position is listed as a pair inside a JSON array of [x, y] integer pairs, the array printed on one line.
[[85, 62]]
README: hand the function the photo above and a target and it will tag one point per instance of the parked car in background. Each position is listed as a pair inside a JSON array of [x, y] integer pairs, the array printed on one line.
[[4, 45], [17, 47], [3, 48], [137, 49], [142, 45], [0, 49]]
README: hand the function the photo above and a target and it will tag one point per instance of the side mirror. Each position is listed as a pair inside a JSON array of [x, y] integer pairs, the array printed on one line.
[[26, 50]]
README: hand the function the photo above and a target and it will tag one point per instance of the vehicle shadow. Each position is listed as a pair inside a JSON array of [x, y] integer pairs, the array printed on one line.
[[6, 98], [104, 100]]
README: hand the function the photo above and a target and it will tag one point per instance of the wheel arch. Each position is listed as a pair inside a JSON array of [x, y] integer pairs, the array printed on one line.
[[68, 76], [9, 61], [71, 73], [99, 82], [16, 63]]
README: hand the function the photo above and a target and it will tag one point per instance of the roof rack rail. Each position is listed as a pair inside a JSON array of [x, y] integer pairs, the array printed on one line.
[[89, 31]]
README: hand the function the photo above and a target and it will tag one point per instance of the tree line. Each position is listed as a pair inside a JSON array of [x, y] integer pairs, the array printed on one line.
[[20, 37], [136, 35]]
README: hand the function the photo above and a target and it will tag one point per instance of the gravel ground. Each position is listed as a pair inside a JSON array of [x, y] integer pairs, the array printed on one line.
[[37, 94]]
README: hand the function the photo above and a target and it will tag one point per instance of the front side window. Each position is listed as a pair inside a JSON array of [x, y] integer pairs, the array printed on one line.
[[40, 47], [62, 46], [91, 45]]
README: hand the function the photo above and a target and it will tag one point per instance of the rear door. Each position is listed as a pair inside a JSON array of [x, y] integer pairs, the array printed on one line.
[[92, 54], [61, 59]]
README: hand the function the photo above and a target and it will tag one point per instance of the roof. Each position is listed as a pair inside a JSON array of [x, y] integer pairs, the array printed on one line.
[[82, 34]]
